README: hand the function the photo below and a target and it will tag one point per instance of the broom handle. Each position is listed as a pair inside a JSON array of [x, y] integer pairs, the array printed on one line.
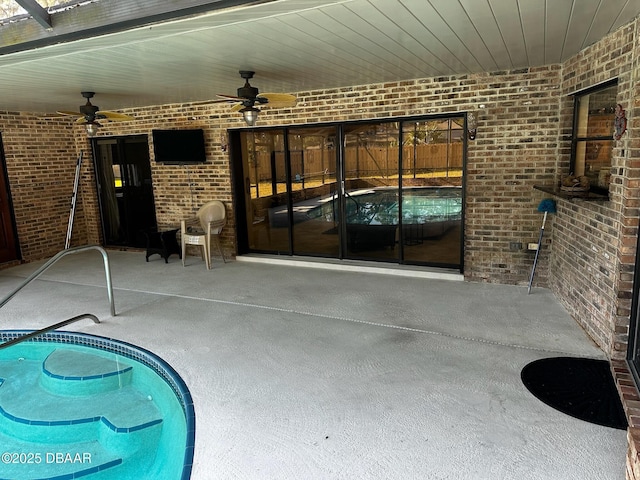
[[535, 260], [544, 220]]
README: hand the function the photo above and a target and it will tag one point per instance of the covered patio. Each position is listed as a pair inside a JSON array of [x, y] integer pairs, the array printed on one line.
[[300, 372], [311, 373]]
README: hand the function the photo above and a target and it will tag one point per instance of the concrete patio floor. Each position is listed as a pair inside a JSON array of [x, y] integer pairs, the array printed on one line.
[[303, 373]]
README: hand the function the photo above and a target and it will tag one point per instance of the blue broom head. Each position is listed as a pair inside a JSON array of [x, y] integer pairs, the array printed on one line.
[[547, 205]]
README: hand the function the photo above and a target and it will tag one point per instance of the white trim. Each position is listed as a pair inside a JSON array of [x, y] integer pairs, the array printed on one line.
[[356, 266]]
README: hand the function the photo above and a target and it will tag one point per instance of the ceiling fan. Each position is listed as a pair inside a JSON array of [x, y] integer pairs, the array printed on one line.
[[249, 96], [89, 113]]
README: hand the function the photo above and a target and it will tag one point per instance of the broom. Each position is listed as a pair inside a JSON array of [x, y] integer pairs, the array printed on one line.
[[547, 206]]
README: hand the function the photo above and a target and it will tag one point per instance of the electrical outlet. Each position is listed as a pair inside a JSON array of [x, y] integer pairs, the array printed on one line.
[[532, 246], [513, 246]]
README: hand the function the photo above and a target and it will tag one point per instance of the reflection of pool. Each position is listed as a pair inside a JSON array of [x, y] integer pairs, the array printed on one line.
[[80, 406], [382, 207], [373, 215]]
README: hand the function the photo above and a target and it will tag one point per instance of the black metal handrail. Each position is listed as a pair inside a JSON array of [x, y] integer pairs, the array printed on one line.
[[55, 326], [350, 197]]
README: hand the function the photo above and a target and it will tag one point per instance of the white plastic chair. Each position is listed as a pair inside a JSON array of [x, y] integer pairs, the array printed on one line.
[[209, 221]]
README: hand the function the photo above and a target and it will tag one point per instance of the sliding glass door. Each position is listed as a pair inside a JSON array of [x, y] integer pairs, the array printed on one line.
[[383, 191]]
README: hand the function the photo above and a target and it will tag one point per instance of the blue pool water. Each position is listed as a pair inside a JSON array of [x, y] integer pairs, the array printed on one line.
[[80, 406], [382, 206]]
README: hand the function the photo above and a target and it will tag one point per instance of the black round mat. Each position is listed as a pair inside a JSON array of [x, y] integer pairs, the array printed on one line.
[[581, 387]]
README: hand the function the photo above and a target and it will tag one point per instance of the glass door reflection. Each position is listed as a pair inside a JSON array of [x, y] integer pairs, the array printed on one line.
[[371, 195], [432, 165], [266, 191], [312, 156]]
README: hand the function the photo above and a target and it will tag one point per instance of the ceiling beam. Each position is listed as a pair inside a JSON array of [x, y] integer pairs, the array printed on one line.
[[101, 18], [37, 12]]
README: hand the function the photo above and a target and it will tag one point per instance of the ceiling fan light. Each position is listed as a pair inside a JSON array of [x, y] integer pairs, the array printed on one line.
[[250, 115], [92, 129]]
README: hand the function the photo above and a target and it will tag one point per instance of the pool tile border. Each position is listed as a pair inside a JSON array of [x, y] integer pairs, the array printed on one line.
[[134, 352]]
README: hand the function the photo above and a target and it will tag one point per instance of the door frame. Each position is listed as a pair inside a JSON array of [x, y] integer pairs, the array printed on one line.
[[633, 346], [5, 191]]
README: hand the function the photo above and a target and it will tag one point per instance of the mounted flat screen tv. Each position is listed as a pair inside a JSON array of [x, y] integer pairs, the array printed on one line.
[[179, 147]]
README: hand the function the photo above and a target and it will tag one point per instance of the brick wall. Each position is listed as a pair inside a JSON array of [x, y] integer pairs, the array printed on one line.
[[631, 402], [630, 149], [594, 242], [41, 158]]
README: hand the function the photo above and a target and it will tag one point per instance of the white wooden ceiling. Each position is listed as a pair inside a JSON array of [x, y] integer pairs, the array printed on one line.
[[301, 45]]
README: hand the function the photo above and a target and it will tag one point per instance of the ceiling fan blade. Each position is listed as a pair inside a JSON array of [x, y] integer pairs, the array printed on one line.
[[281, 104], [227, 101], [69, 113], [237, 108], [279, 99], [229, 98], [113, 116]]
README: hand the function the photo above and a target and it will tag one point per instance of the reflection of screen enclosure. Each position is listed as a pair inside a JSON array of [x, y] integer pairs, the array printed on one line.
[[388, 191]]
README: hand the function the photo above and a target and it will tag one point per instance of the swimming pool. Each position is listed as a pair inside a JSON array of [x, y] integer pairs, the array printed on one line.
[[81, 406]]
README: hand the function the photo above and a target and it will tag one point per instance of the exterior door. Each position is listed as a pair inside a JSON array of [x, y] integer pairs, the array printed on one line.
[[123, 173], [8, 243]]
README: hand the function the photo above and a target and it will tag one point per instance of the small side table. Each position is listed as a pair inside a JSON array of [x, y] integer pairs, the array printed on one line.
[[162, 243]]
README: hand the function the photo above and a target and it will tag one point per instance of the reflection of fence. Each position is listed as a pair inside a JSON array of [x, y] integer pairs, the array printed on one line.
[[359, 161]]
